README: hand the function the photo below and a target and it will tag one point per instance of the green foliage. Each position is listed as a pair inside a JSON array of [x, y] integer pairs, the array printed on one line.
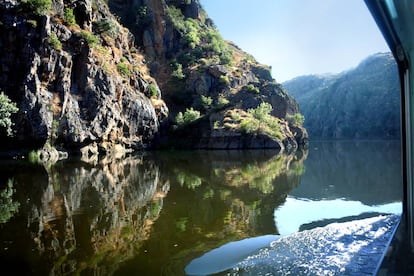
[[188, 180], [181, 224], [8, 208], [33, 157], [216, 125], [123, 69], [90, 38], [7, 108], [69, 16], [190, 115], [32, 22], [252, 89], [206, 101], [192, 30], [107, 26], [221, 102], [37, 7], [296, 119], [54, 42], [142, 16], [261, 112], [203, 39], [261, 122], [178, 71], [155, 208], [226, 57], [224, 80], [153, 91], [176, 17]]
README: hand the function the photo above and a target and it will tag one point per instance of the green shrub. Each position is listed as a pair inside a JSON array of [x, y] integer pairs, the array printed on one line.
[[33, 157], [248, 126], [216, 124], [252, 89], [90, 38], [37, 7], [69, 16], [123, 69], [224, 80], [296, 119], [260, 121], [153, 91], [190, 115], [226, 57], [206, 101], [54, 42], [107, 26], [178, 71], [8, 207], [261, 112], [236, 117], [177, 18], [222, 102], [7, 108]]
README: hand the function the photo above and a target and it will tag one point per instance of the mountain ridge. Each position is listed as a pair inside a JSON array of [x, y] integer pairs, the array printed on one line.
[[359, 103]]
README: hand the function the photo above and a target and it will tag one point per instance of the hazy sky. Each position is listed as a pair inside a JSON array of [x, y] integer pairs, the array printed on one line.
[[299, 37]]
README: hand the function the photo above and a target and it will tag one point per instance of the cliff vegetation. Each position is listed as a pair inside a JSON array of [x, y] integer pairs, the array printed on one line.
[[96, 76]]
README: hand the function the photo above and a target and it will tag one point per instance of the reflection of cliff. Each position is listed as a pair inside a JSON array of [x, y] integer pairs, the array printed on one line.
[[216, 197], [92, 218], [78, 218], [366, 171]]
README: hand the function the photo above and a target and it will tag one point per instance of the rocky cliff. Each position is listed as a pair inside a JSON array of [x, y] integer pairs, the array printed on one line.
[[84, 82], [76, 76], [198, 70], [361, 103]]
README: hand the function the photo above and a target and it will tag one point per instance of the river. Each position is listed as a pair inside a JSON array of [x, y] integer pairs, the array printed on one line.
[[156, 212]]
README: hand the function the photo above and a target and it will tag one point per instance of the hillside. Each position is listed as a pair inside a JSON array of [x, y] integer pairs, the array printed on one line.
[[361, 103], [100, 76]]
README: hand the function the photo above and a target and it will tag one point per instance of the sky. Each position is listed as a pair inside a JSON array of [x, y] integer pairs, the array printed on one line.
[[299, 37]]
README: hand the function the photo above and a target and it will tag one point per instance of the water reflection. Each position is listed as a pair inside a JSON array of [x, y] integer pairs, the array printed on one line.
[[76, 217], [147, 215], [344, 180]]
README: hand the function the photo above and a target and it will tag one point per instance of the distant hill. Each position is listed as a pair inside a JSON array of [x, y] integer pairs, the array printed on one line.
[[360, 103]]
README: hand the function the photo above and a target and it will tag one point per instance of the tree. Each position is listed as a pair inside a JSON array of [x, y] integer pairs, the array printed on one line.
[[38, 7], [260, 113], [7, 108]]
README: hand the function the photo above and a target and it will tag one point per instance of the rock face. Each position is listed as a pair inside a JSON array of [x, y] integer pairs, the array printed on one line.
[[82, 85], [192, 63], [360, 103], [76, 83]]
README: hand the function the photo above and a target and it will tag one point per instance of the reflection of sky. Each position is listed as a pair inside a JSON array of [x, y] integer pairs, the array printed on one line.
[[298, 211]]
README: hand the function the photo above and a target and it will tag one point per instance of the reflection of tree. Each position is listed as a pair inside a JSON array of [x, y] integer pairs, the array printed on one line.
[[92, 218], [8, 207], [256, 175], [233, 197], [105, 218], [188, 180]]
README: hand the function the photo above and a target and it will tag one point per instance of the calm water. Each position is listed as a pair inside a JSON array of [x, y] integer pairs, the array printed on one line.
[[153, 214]]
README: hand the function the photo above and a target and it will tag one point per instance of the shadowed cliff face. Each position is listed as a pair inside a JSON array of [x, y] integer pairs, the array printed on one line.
[[78, 81]]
